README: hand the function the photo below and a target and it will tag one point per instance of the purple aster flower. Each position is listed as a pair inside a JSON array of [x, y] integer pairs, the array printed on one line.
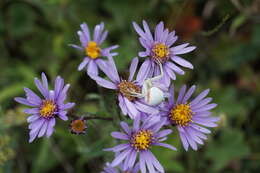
[[138, 141], [46, 109], [110, 169], [190, 116], [159, 48], [130, 105], [92, 48]]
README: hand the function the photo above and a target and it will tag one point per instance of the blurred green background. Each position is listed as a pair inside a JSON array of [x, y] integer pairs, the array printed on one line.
[[34, 37]]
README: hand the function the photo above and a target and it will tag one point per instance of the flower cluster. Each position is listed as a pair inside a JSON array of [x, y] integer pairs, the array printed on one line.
[[147, 96]]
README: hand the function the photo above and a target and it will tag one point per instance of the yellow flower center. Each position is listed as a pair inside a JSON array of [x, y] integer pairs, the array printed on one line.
[[160, 52], [142, 140], [181, 114], [92, 50], [47, 109], [126, 88], [78, 126]]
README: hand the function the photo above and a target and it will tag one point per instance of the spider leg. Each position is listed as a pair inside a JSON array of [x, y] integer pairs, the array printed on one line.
[[135, 94]]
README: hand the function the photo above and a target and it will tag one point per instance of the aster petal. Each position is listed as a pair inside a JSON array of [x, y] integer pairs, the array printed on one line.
[[166, 80], [118, 148], [174, 68], [158, 31], [62, 115], [171, 39], [133, 112], [83, 64], [163, 133], [191, 141], [188, 94], [139, 30], [104, 83], [184, 141], [205, 108], [33, 134], [170, 73], [52, 95], [59, 83], [86, 32], [43, 129], [181, 94], [113, 67], [63, 94], [50, 128], [132, 159], [82, 39], [41, 88], [145, 108], [67, 106], [136, 123], [144, 71], [171, 97], [76, 47], [147, 31], [31, 111], [202, 103], [179, 47], [199, 97], [102, 37], [132, 69], [36, 124], [182, 62], [201, 129], [193, 135], [44, 81], [146, 44], [125, 127], [33, 118], [32, 97], [97, 31], [122, 104], [24, 101], [156, 163], [104, 66], [185, 50], [142, 162], [165, 145], [120, 157], [202, 114], [119, 135], [164, 36], [92, 69], [204, 122], [148, 161]]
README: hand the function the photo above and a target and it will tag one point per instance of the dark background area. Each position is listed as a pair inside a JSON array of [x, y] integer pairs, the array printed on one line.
[[34, 38]]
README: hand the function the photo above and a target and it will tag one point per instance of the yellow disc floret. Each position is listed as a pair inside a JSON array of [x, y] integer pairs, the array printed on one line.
[[126, 88], [92, 50], [47, 108], [78, 126], [160, 52], [181, 114], [142, 140]]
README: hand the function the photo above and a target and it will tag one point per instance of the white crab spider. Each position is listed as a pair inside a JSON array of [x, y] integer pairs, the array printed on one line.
[[152, 95]]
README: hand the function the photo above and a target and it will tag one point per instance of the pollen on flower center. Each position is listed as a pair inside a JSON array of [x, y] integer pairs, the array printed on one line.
[[181, 114], [142, 140], [47, 108], [160, 52], [126, 87], [92, 50], [78, 126]]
